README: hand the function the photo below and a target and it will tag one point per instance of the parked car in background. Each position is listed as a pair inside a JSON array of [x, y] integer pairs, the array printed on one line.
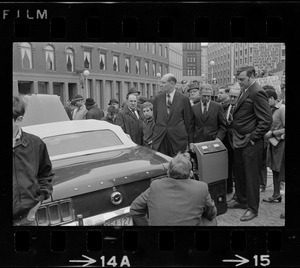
[[98, 170]]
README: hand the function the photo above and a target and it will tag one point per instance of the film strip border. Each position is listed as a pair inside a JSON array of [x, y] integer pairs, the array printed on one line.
[[155, 247], [214, 21]]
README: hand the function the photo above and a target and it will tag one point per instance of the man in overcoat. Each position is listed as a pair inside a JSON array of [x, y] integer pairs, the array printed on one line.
[[207, 124], [252, 119], [172, 113], [130, 120]]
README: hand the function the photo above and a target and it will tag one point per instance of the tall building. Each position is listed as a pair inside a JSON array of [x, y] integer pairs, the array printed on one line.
[[191, 61], [204, 62], [228, 57], [219, 57], [112, 68], [175, 60]]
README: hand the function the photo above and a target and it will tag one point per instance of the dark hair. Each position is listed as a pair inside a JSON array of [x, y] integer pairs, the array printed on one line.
[[18, 107], [147, 105], [111, 109], [271, 93], [265, 87], [250, 70]]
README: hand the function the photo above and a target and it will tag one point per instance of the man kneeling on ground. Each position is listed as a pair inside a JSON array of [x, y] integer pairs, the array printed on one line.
[[175, 200]]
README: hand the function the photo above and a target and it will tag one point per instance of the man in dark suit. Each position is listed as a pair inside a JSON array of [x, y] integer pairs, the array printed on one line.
[[176, 200], [252, 119], [172, 113], [233, 95], [208, 122], [130, 120]]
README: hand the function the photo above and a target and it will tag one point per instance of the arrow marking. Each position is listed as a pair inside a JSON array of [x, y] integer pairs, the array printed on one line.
[[241, 261], [88, 261]]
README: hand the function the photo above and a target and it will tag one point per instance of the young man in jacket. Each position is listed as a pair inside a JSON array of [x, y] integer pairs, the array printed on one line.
[[32, 170]]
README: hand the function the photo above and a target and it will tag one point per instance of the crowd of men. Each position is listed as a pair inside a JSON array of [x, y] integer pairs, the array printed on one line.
[[248, 119]]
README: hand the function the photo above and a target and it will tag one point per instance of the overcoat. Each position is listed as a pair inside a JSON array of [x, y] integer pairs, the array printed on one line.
[[276, 154], [209, 127], [131, 124], [95, 113], [176, 125]]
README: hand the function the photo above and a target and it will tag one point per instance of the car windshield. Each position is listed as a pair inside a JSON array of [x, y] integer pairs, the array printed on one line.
[[82, 141]]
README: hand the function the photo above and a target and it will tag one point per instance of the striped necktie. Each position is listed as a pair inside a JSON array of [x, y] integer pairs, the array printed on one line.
[[169, 103], [230, 115]]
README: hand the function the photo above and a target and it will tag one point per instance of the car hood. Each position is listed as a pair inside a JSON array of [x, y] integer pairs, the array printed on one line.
[[88, 173]]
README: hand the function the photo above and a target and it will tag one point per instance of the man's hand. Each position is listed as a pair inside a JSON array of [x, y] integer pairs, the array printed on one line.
[[192, 147], [268, 135], [31, 213]]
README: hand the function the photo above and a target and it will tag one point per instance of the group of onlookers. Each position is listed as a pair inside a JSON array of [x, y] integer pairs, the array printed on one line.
[[247, 118]]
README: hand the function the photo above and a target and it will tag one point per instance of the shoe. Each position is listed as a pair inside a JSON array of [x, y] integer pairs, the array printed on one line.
[[273, 199], [236, 204], [282, 216], [248, 215]]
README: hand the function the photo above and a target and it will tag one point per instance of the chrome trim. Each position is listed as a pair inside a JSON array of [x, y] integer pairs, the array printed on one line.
[[101, 218]]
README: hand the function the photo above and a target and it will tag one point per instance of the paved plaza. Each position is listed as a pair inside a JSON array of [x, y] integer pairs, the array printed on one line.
[[268, 214]]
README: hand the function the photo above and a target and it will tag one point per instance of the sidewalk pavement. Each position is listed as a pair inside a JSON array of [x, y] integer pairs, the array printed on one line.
[[268, 214]]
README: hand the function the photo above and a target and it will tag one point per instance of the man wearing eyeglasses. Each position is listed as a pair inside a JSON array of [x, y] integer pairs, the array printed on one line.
[[233, 94], [252, 119]]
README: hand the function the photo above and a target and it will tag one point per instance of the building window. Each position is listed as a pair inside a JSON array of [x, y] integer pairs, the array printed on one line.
[[137, 66], [87, 59], [245, 60], [160, 70], [241, 52], [26, 55], [116, 63], [250, 59], [160, 50], [166, 52], [146, 68], [241, 61], [102, 61], [153, 48], [154, 69], [49, 54], [246, 51], [127, 65], [70, 60], [250, 50]]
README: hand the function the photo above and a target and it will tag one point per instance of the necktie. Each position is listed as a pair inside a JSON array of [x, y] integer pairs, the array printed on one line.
[[134, 112], [169, 103], [204, 109], [230, 116]]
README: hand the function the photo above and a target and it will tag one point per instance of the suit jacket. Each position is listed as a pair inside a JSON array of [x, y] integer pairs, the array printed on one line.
[[252, 116], [131, 125], [180, 202], [176, 126], [211, 126], [229, 132]]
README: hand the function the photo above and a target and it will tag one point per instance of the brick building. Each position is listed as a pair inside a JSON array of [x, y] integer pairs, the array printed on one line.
[[58, 68]]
